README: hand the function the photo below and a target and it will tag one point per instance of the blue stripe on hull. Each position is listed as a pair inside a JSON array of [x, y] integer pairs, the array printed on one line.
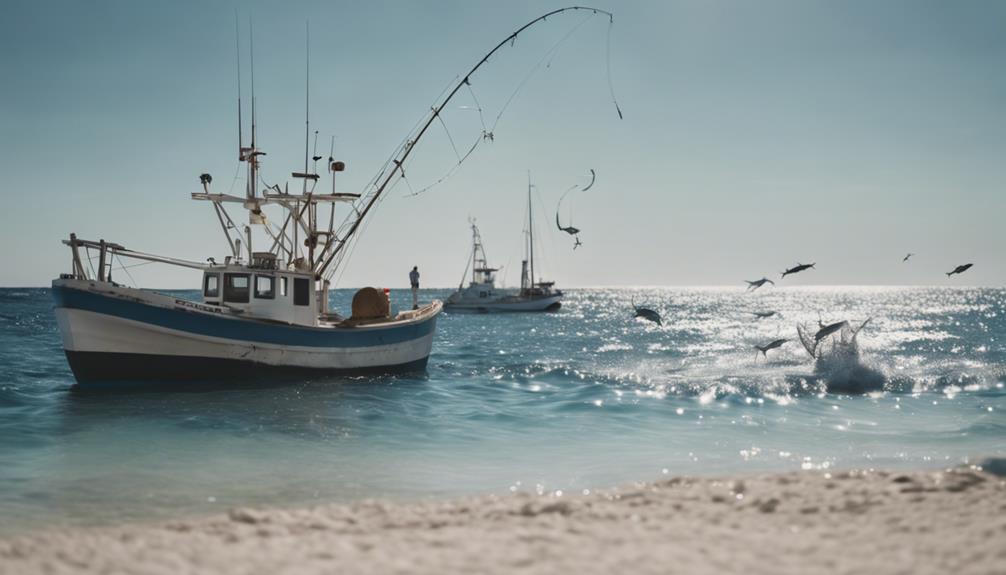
[[105, 370], [238, 329]]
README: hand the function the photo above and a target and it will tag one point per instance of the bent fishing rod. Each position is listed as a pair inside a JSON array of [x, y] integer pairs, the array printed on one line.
[[398, 160]]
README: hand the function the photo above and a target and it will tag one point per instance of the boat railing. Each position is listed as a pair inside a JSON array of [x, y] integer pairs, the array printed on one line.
[[108, 249]]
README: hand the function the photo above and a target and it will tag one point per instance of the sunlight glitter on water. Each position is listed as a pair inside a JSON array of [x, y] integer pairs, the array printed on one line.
[[584, 398]]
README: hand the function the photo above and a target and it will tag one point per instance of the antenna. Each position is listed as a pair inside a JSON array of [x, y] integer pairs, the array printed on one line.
[[307, 96], [237, 39], [251, 51], [331, 160]]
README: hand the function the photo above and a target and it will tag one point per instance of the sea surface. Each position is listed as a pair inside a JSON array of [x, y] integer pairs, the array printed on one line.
[[584, 398]]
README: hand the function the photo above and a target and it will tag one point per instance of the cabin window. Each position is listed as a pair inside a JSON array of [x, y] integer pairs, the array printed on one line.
[[282, 287], [211, 285], [301, 291], [237, 288], [265, 287], [483, 294]]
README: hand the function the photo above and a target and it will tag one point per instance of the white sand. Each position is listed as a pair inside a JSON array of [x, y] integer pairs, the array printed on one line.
[[864, 523]]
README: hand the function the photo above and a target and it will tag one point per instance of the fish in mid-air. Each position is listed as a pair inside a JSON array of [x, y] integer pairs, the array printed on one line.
[[770, 345], [908, 256], [960, 269], [763, 314], [798, 268], [753, 285], [646, 313], [829, 329]]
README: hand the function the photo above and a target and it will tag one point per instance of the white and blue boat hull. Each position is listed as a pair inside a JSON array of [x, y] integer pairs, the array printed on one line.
[[122, 334]]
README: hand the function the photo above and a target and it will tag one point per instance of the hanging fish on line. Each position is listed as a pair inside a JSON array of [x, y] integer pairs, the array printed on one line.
[[570, 229]]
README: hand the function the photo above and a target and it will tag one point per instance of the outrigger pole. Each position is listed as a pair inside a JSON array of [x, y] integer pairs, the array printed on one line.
[[336, 244]]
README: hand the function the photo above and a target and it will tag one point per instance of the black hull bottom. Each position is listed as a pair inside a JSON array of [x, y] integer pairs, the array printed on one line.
[[117, 370]]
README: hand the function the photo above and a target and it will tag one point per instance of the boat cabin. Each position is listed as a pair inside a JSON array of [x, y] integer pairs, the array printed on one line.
[[264, 291]]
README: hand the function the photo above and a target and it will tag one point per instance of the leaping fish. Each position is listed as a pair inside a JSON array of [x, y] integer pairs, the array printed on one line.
[[646, 313], [829, 329], [753, 285], [960, 269], [798, 268], [908, 256], [771, 345], [763, 314]]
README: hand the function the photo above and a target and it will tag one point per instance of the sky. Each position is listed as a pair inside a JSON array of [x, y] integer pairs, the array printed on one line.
[[756, 135]]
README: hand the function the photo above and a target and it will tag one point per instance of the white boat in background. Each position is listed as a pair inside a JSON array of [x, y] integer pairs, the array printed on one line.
[[482, 296]]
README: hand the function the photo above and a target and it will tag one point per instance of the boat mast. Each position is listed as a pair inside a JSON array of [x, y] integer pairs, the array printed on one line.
[[253, 152], [530, 230], [307, 135]]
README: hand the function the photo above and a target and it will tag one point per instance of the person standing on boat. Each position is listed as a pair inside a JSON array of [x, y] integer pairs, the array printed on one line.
[[414, 280]]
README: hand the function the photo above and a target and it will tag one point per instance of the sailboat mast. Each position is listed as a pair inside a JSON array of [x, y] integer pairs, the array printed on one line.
[[530, 230]]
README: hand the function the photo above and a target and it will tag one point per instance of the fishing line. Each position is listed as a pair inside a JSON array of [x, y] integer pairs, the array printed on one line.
[[611, 85], [478, 106], [449, 138], [548, 54], [461, 159], [407, 184], [489, 133], [354, 241], [450, 173]]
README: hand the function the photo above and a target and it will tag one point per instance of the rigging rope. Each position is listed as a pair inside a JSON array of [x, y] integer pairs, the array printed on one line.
[[123, 268]]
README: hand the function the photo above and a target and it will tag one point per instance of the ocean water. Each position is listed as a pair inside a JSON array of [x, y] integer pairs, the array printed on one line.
[[576, 400]]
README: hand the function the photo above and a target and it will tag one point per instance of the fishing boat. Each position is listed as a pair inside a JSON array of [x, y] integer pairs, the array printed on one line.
[[482, 296], [263, 311]]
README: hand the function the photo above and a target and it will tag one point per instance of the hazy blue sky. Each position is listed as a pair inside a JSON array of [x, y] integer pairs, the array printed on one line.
[[756, 134]]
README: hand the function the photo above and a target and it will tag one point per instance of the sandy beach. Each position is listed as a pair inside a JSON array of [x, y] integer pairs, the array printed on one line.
[[951, 521]]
